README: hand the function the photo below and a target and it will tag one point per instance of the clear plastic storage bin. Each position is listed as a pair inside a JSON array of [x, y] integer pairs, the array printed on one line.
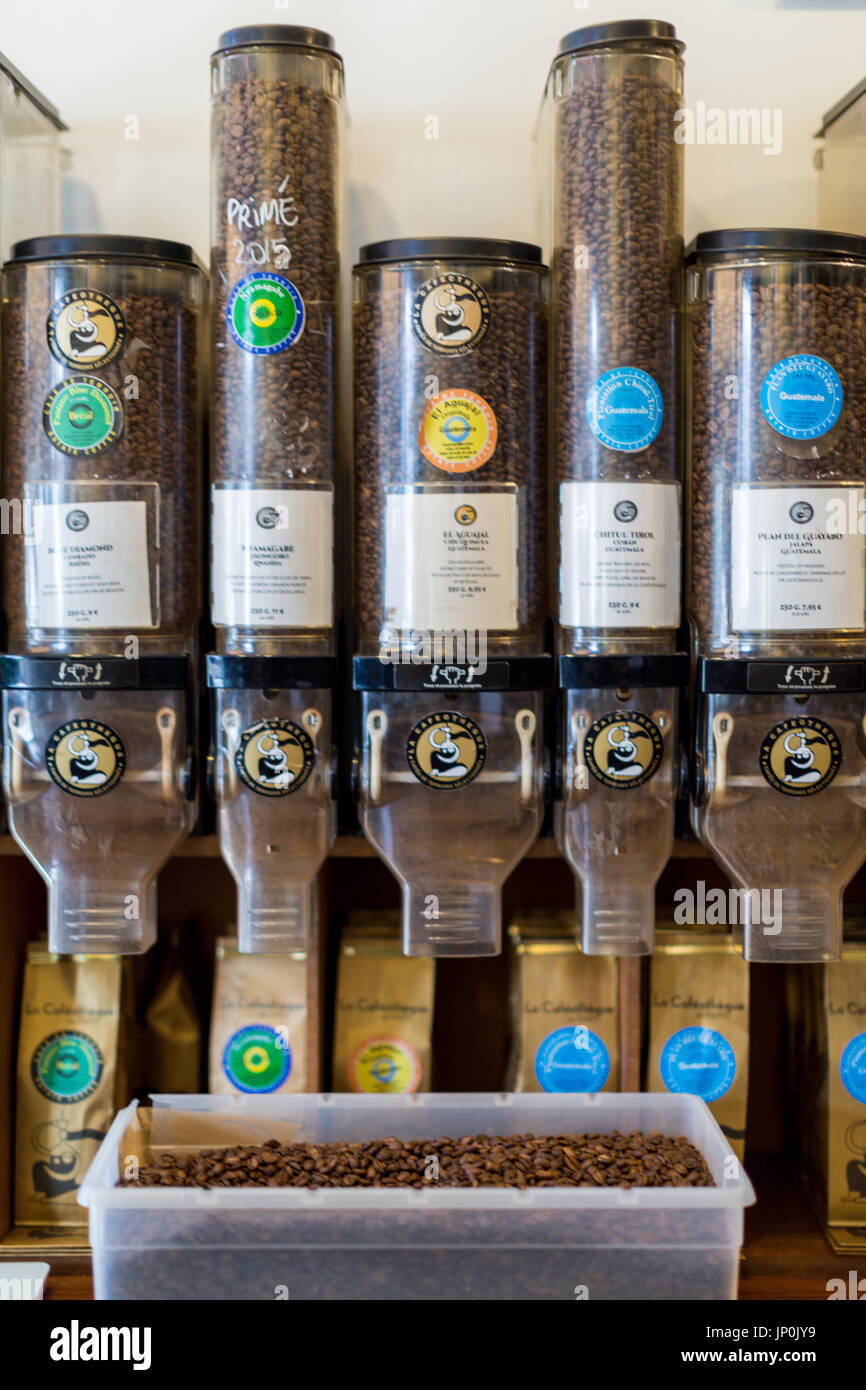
[[392, 1243]]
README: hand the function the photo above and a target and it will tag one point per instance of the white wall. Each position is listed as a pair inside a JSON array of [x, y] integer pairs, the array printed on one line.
[[478, 65]]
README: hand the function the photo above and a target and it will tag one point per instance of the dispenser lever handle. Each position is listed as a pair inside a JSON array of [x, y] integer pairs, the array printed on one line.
[[723, 728], [231, 723], [377, 727], [20, 730], [525, 723], [166, 722]]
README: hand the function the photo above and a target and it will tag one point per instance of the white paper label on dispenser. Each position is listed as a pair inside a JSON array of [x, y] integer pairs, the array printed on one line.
[[451, 560], [273, 557], [87, 566], [620, 564], [797, 558]]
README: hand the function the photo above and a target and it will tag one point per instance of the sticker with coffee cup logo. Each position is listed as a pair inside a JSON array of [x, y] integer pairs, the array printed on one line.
[[800, 756], [623, 749], [67, 1067], [446, 749], [85, 757], [257, 1059], [458, 432], [450, 314], [265, 313], [85, 329], [82, 415], [384, 1064], [275, 757]]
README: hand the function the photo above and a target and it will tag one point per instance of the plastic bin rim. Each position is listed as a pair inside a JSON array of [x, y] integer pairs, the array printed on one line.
[[770, 240], [98, 1190]]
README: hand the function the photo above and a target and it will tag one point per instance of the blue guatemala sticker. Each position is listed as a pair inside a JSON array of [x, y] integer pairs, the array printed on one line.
[[801, 397], [853, 1068], [698, 1062], [572, 1059], [625, 409]]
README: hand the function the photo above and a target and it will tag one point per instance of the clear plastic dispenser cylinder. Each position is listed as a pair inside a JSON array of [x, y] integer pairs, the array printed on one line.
[[277, 120], [102, 352], [614, 176], [450, 338], [777, 603]]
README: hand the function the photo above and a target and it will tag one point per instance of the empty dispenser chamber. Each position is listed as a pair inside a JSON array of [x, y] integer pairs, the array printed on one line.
[[776, 575], [450, 342], [277, 126], [102, 417], [613, 174]]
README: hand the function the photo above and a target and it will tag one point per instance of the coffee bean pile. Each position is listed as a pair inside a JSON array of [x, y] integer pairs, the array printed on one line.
[[395, 376], [519, 1160], [749, 321], [158, 379], [274, 417], [617, 260]]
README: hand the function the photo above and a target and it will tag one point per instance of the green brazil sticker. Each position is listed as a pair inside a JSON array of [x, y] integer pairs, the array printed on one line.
[[265, 313], [82, 415], [67, 1067], [257, 1059]]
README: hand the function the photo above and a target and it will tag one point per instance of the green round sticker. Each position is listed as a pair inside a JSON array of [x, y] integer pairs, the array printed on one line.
[[265, 313], [257, 1059], [82, 416], [67, 1067]]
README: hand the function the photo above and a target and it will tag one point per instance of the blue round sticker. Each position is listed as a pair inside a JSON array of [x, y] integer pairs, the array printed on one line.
[[265, 313], [572, 1059], [801, 397], [853, 1068], [625, 409], [257, 1059], [698, 1062]]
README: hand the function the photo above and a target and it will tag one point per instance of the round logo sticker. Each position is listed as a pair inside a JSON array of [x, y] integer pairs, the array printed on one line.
[[852, 1068], [85, 758], [801, 397], [572, 1059], [257, 1059], [384, 1064], [265, 313], [623, 749], [450, 314], [698, 1062], [275, 757], [625, 409], [458, 432], [800, 756], [446, 749], [82, 415], [85, 329], [67, 1067]]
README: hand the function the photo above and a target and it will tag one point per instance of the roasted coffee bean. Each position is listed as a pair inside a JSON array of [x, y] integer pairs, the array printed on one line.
[[482, 1160], [744, 319], [157, 380], [396, 377], [617, 259]]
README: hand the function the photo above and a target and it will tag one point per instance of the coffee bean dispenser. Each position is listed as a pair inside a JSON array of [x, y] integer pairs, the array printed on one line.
[[614, 176], [102, 354], [277, 121], [450, 461], [776, 575]]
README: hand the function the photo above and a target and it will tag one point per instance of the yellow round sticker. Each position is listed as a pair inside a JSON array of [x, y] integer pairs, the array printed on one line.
[[384, 1064], [458, 432]]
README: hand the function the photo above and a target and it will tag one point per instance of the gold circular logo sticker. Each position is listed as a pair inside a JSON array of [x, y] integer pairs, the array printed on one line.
[[85, 329], [800, 756], [446, 749], [458, 432], [85, 758], [623, 749], [450, 314], [275, 757], [465, 515], [384, 1064]]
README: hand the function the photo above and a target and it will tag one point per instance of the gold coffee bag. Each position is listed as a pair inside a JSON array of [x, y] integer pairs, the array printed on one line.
[[383, 1025], [699, 1025], [258, 1030], [565, 1010], [172, 1034], [835, 1122], [67, 1071]]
